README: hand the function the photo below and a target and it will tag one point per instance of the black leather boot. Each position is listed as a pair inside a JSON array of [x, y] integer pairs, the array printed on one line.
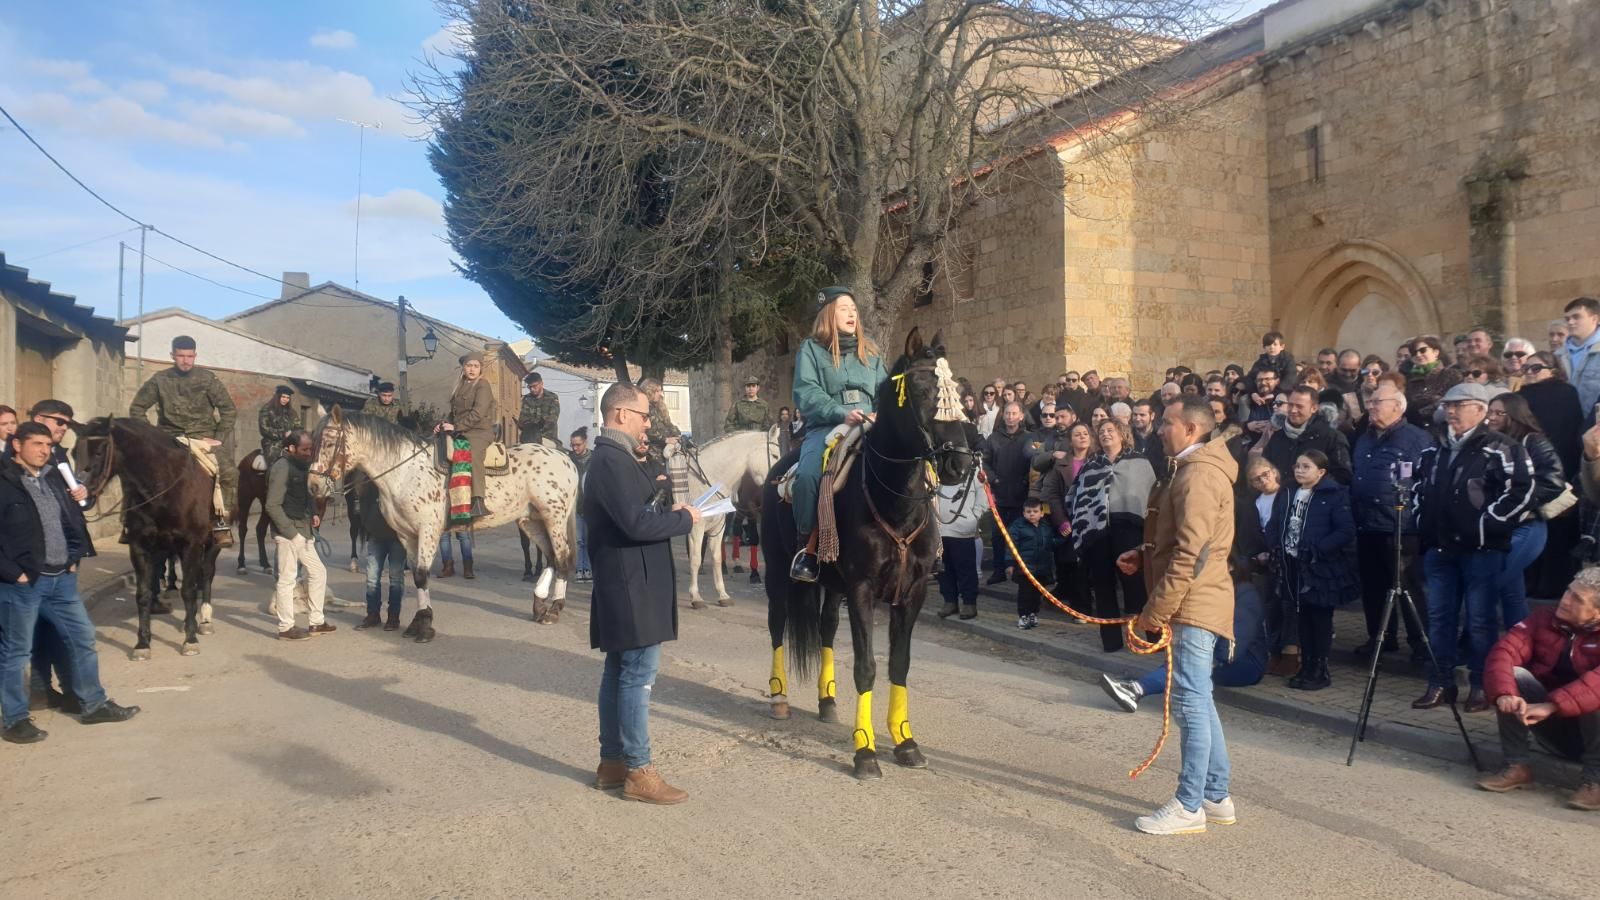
[[805, 567]]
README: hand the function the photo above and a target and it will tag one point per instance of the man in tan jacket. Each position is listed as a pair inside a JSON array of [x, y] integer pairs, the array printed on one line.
[[1188, 537]]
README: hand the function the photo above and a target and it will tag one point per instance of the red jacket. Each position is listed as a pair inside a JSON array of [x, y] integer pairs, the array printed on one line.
[[1536, 644]]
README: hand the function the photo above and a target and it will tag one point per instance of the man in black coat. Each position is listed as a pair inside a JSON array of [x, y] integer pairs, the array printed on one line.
[[42, 537], [634, 607], [1006, 453], [1308, 429]]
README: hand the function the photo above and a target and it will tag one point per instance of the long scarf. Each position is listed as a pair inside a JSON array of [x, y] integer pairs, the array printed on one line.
[[459, 493]]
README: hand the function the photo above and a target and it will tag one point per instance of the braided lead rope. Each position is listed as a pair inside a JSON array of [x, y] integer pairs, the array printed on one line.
[[1136, 642]]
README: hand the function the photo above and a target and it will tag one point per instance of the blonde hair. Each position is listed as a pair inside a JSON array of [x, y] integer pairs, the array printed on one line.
[[1256, 464], [824, 332]]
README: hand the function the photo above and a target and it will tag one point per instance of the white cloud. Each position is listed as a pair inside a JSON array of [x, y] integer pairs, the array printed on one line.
[[401, 203], [447, 41], [143, 91], [333, 40], [306, 91], [114, 118], [241, 120], [72, 75]]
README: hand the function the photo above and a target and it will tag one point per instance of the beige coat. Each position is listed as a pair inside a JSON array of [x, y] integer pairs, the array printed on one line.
[[472, 410], [1188, 536]]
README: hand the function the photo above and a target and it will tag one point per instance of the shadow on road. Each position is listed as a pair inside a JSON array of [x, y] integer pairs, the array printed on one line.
[[308, 770]]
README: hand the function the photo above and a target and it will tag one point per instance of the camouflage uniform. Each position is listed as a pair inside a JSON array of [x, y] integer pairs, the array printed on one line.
[[748, 415], [275, 421], [376, 407], [193, 404], [539, 419], [655, 440]]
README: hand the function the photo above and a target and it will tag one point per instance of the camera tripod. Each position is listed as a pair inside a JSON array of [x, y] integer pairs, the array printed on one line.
[[1399, 596]]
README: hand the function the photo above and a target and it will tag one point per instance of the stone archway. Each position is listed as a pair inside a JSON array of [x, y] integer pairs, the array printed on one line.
[[1358, 294]]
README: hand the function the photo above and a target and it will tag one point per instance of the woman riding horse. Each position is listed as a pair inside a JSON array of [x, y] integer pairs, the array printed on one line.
[[472, 415], [836, 376]]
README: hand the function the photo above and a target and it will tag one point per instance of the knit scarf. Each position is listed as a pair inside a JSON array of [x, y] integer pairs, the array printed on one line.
[[1420, 370], [1294, 431]]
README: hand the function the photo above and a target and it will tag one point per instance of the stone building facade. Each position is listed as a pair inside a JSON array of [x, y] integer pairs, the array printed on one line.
[[53, 348], [1349, 172]]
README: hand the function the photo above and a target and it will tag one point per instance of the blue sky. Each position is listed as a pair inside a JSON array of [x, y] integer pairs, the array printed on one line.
[[218, 122]]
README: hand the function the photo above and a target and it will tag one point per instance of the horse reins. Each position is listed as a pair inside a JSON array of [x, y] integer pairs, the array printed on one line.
[[341, 462], [102, 480]]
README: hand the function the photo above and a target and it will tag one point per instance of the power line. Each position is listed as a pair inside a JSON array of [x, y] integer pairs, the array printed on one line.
[[208, 280], [76, 246]]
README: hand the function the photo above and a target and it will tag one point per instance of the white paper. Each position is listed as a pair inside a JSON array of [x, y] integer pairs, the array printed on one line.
[[708, 496], [719, 508]]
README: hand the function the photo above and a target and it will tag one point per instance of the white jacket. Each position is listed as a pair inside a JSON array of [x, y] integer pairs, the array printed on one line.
[[958, 518]]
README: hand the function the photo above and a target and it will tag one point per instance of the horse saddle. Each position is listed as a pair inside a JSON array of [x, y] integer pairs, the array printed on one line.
[[495, 460], [843, 447]]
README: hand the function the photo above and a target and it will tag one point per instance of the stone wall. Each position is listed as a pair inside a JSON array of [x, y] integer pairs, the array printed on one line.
[[1400, 147]]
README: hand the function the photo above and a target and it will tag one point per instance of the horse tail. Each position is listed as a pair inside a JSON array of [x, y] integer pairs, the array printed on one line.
[[794, 610]]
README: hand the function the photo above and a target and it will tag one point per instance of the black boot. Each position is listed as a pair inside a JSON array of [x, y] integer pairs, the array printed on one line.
[[805, 567], [478, 511]]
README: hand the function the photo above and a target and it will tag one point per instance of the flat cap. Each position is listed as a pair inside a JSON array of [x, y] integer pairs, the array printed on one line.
[[1468, 391]]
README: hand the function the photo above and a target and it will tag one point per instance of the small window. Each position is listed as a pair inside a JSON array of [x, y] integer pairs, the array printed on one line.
[[925, 287], [1314, 152]]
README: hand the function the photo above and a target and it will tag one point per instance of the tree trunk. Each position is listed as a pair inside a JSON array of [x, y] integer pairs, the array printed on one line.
[[619, 365]]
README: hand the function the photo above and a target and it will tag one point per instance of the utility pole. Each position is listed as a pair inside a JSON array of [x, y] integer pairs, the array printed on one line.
[[144, 230], [400, 350], [361, 153], [122, 250]]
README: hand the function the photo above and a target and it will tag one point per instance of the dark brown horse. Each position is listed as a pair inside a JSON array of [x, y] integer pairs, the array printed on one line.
[[888, 539], [166, 510], [252, 490]]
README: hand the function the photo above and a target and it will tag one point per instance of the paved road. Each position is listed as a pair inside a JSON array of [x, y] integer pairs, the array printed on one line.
[[360, 765]]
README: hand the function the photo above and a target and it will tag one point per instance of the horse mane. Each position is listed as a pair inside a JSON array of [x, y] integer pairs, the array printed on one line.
[[385, 435]]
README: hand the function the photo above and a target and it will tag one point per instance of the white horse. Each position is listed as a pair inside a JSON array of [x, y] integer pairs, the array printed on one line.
[[739, 463], [539, 492]]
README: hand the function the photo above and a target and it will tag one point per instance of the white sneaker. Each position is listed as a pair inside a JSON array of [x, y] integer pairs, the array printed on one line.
[[1220, 812], [1022, 622], [1124, 692], [1172, 818]]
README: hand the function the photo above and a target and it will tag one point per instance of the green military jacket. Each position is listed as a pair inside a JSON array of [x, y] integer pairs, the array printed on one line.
[[539, 419], [748, 415], [376, 407], [661, 426], [275, 421], [192, 404], [473, 410], [824, 394]]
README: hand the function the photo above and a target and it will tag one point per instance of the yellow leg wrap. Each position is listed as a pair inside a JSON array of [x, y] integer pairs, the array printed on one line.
[[863, 737], [899, 723], [777, 685], [827, 689]]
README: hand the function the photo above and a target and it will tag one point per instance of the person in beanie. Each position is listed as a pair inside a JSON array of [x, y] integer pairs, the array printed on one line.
[[276, 419], [383, 406], [472, 415], [634, 606], [836, 376]]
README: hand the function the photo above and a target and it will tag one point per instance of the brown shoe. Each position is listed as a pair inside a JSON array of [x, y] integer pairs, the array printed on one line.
[[1586, 797], [1288, 664], [294, 634], [371, 621], [323, 628], [1477, 702], [612, 774], [447, 568], [646, 785], [1513, 777], [1434, 697], [466, 569]]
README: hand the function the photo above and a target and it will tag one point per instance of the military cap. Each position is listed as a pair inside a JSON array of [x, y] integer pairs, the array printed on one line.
[[52, 408], [386, 387], [829, 294], [182, 342], [752, 380], [473, 356], [283, 390]]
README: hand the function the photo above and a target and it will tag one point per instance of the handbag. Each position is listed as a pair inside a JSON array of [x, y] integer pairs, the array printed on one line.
[[1566, 500]]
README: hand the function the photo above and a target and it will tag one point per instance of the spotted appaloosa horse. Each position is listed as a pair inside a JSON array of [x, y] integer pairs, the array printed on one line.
[[539, 492]]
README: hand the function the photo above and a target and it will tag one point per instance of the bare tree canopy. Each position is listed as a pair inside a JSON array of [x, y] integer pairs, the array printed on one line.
[[637, 174]]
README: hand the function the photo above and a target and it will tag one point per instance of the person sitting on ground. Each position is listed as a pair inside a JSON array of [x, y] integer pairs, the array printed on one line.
[[1035, 543], [1544, 678], [1240, 662]]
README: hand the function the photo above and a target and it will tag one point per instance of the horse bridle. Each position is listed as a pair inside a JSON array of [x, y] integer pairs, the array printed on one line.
[[341, 462], [102, 478]]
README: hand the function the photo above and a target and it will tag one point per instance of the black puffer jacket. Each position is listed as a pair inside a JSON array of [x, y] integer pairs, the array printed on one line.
[[1282, 450], [1005, 462], [1476, 498], [1548, 480]]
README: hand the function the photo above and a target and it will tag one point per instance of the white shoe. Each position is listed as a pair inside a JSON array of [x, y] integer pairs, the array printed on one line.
[[1124, 692], [1022, 622], [1172, 818], [1220, 812]]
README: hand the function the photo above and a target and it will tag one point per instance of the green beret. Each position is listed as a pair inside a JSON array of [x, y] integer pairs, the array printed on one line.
[[182, 342], [829, 294]]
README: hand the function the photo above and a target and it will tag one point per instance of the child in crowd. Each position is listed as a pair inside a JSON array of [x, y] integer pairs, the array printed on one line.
[[1035, 542]]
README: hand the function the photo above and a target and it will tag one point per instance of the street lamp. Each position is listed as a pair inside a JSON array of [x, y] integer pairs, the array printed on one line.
[[430, 343]]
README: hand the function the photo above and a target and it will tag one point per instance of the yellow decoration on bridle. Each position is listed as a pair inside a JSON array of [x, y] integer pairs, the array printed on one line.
[[900, 382]]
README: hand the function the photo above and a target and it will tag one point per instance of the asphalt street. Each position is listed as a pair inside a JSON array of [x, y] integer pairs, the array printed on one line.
[[360, 764]]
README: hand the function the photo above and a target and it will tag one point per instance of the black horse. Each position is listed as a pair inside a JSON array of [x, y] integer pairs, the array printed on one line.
[[166, 510], [888, 541]]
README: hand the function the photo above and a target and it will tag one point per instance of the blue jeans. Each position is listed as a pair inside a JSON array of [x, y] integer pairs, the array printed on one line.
[[583, 546], [1204, 770], [390, 554], [49, 655], [625, 704], [1242, 672], [1527, 542], [808, 480], [1454, 580], [53, 598], [464, 538]]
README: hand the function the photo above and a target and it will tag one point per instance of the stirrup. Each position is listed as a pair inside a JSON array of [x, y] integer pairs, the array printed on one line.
[[805, 567]]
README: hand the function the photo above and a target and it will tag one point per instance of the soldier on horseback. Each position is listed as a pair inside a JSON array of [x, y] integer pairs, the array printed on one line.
[[751, 413], [539, 420], [192, 405], [276, 419], [836, 378], [383, 405]]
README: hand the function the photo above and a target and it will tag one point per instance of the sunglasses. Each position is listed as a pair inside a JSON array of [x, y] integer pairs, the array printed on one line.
[[988, 393], [1474, 373], [1536, 368], [1371, 373], [1277, 403], [1513, 354], [58, 420]]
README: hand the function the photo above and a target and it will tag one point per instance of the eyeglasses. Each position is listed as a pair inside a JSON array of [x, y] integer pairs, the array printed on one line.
[[642, 413], [1497, 414], [1514, 354], [1278, 403], [1535, 368]]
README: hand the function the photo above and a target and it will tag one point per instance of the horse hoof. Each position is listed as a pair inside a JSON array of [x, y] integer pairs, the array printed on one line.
[[528, 577], [828, 710], [353, 566], [866, 767], [780, 708], [244, 570], [724, 601], [190, 649], [697, 604], [140, 653], [205, 628], [425, 635], [907, 754], [157, 608], [266, 570]]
